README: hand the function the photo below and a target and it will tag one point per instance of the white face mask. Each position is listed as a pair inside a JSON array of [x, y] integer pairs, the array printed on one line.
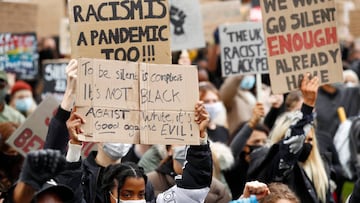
[[127, 201], [116, 150], [213, 109]]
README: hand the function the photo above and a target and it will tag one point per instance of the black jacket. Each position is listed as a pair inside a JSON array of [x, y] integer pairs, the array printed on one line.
[[90, 172], [279, 164]]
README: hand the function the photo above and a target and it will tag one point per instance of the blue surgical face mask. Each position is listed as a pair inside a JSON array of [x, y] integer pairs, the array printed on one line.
[[247, 82], [116, 150], [213, 109], [23, 105]]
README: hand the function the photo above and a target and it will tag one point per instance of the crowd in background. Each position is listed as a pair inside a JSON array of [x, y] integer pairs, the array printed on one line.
[[256, 149]]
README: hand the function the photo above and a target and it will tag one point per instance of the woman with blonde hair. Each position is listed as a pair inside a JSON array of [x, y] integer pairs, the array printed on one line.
[[293, 157]]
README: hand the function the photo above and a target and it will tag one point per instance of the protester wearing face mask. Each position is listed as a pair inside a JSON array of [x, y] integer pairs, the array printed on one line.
[[217, 128], [238, 99], [125, 183], [126, 180], [6, 112], [293, 157], [172, 167], [65, 126], [249, 137], [22, 98]]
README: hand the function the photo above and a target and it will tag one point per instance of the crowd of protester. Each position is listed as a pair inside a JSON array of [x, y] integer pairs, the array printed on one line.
[[271, 149]]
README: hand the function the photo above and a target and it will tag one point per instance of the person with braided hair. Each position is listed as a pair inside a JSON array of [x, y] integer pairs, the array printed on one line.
[[124, 182]]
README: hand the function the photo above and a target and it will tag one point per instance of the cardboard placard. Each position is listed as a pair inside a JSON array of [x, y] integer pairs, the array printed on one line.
[[18, 17], [128, 31], [132, 102], [217, 13], [301, 37], [31, 135], [54, 78], [64, 41], [354, 26], [50, 13], [243, 49], [186, 25], [18, 54]]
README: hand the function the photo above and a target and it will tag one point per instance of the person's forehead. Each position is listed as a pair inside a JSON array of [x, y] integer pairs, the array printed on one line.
[[49, 197]]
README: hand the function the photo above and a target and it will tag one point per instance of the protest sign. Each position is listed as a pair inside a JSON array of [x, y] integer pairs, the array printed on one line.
[[54, 78], [354, 26], [50, 13], [128, 31], [243, 49], [217, 13], [31, 135], [132, 102], [18, 54], [18, 17], [64, 41], [301, 37], [186, 25]]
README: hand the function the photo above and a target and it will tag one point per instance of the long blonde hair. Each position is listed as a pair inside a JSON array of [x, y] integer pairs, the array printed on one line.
[[313, 166]]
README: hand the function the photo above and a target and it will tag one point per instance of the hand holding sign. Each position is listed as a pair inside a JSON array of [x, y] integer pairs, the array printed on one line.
[[202, 117], [71, 80], [73, 125], [309, 88]]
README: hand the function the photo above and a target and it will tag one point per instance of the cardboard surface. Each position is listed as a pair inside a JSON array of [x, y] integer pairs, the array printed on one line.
[[31, 134], [18, 54], [54, 78], [355, 23], [217, 13], [186, 25], [130, 31], [49, 16], [64, 41], [18, 17], [137, 102], [300, 39], [243, 49]]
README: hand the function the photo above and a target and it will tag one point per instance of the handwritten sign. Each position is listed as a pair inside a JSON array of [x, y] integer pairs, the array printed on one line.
[[129, 30], [18, 53], [50, 13], [219, 12], [64, 39], [243, 49], [186, 25], [18, 17], [301, 37], [31, 135], [54, 78], [137, 102]]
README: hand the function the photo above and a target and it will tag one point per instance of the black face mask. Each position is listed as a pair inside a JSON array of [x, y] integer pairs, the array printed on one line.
[[253, 148], [306, 150]]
